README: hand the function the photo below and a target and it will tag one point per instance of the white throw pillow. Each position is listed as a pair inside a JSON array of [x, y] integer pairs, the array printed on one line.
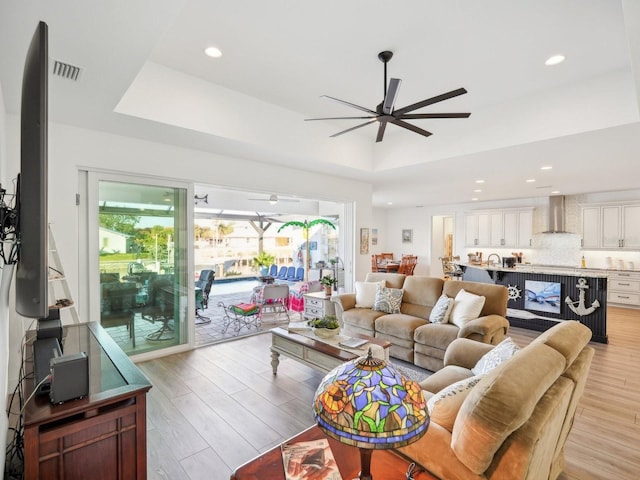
[[441, 310], [466, 307], [494, 357], [443, 406], [366, 293]]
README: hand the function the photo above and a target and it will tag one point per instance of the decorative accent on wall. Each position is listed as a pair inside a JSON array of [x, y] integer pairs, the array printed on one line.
[[514, 292], [407, 236], [374, 236], [364, 241], [580, 309]]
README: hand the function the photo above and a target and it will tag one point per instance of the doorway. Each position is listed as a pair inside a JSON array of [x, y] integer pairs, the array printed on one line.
[[442, 241], [139, 246]]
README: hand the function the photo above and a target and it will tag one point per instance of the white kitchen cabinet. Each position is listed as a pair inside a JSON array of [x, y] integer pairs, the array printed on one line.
[[591, 229], [525, 229], [623, 288], [611, 227], [499, 228]]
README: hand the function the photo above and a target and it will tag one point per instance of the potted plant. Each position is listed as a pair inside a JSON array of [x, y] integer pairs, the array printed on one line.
[[325, 327], [328, 281], [263, 261]]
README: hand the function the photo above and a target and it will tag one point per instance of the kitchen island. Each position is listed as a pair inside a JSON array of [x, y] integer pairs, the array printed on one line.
[[541, 296]]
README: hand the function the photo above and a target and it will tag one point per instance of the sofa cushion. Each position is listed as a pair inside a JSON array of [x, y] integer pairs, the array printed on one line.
[[466, 307], [441, 310], [502, 402], [388, 300], [490, 360], [443, 406], [366, 293], [392, 280], [496, 296], [420, 295], [363, 318]]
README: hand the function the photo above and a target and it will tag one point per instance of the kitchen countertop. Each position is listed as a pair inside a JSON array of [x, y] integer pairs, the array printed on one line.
[[551, 269]]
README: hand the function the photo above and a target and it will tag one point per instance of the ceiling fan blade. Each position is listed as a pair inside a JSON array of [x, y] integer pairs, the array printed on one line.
[[381, 128], [338, 118], [390, 97], [430, 101], [353, 128], [417, 116], [353, 105], [413, 128]]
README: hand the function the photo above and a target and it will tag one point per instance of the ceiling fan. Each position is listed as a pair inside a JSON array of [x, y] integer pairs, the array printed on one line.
[[273, 199], [386, 113]]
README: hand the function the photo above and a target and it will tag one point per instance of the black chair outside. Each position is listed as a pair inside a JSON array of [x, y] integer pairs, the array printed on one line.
[[117, 304], [160, 308], [204, 283]]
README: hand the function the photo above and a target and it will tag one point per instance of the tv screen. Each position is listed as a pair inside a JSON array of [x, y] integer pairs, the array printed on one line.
[[33, 258]]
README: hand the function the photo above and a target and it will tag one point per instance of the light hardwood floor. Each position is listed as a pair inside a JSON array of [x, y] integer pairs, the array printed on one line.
[[216, 407]]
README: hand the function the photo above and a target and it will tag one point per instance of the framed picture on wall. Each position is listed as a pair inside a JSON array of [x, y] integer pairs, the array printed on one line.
[[407, 236], [364, 241], [374, 236]]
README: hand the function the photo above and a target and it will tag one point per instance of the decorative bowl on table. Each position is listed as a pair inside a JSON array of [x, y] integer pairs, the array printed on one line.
[[325, 327]]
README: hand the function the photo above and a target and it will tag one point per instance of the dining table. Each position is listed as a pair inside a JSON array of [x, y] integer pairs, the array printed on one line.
[[389, 267]]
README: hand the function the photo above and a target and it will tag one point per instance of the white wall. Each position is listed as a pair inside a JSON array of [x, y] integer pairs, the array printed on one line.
[[72, 148]]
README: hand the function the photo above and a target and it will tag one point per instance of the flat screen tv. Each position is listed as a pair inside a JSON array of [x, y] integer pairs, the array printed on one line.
[[33, 257]]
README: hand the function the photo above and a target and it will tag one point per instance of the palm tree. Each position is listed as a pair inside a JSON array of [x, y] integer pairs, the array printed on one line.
[[305, 228]]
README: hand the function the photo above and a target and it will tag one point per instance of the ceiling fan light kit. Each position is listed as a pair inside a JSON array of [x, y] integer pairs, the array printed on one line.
[[385, 112]]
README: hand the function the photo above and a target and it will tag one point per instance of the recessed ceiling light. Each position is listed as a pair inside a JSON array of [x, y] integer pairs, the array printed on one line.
[[389, 203], [530, 180], [554, 60], [479, 181], [474, 199], [213, 52], [556, 191], [477, 190], [546, 167]]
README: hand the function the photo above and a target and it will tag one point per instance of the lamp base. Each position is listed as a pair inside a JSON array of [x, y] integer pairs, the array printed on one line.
[[365, 464]]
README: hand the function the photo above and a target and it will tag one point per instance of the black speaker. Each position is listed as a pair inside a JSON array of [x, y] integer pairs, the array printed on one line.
[[69, 377]]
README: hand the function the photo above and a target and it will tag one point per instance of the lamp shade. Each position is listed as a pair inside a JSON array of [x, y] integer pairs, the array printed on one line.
[[368, 404]]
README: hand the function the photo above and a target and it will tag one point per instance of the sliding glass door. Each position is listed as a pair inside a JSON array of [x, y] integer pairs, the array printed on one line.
[[141, 245]]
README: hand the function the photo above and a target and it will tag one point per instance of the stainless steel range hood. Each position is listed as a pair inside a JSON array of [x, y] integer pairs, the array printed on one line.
[[556, 215]]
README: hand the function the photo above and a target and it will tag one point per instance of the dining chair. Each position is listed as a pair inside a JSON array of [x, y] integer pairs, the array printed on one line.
[[408, 264]]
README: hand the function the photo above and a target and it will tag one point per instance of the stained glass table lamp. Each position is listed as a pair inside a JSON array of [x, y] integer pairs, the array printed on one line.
[[368, 404]]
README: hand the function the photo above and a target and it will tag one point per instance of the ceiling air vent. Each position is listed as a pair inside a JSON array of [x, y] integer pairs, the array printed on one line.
[[66, 70]]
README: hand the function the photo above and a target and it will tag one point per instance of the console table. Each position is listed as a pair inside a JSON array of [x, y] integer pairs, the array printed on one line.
[[102, 436]]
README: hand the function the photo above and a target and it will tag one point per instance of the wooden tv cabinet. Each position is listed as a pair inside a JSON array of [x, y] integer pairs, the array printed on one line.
[[102, 436]]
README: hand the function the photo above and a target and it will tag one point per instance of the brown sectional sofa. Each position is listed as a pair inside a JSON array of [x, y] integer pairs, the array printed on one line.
[[413, 337], [513, 423]]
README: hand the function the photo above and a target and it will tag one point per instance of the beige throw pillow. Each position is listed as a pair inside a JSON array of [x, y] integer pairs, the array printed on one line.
[[443, 406], [366, 293], [466, 307]]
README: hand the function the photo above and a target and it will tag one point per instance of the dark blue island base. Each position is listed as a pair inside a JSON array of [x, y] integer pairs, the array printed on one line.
[[538, 301]]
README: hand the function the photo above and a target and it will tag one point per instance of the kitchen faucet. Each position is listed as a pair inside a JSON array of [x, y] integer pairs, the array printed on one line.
[[493, 255]]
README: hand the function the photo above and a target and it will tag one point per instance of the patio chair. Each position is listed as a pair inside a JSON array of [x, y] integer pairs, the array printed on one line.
[[282, 274], [274, 298], [299, 274], [273, 271], [291, 274], [204, 283], [160, 308], [117, 307]]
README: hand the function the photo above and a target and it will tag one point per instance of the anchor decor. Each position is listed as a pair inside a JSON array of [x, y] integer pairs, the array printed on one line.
[[579, 307]]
